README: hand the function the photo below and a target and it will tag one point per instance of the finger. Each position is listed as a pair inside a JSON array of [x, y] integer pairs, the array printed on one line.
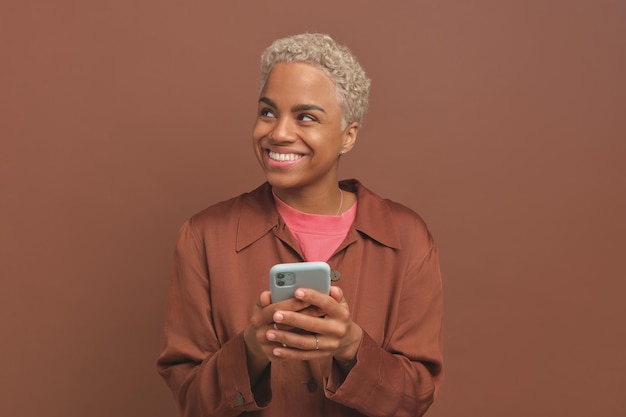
[[291, 340], [263, 316], [326, 303], [265, 309], [291, 304], [297, 354], [312, 311], [307, 347], [302, 322], [311, 341], [265, 299], [337, 294]]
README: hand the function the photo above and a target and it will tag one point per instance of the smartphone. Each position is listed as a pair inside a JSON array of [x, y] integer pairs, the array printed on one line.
[[286, 278]]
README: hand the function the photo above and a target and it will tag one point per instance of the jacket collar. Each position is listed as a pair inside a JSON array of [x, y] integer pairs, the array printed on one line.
[[258, 216]]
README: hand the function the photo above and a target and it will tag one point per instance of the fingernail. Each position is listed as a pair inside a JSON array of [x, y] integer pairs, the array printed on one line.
[[278, 317], [277, 352], [299, 293]]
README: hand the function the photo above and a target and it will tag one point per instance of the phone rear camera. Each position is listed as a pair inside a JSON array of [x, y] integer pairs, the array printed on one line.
[[280, 275], [280, 282]]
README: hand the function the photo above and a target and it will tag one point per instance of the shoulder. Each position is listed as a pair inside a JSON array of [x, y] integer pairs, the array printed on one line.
[[409, 226], [228, 211], [404, 215], [389, 221]]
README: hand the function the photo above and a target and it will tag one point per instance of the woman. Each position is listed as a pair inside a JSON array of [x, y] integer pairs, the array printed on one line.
[[373, 345]]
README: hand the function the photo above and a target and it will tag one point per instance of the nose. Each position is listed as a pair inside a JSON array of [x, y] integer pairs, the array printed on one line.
[[283, 131]]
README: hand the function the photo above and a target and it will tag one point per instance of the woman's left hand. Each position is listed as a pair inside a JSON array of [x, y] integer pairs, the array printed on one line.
[[333, 335]]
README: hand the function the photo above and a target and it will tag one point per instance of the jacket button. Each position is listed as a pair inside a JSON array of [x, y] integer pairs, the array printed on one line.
[[239, 400], [335, 275], [311, 385]]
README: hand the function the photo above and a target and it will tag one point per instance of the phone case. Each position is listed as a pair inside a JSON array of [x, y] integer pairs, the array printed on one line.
[[286, 278]]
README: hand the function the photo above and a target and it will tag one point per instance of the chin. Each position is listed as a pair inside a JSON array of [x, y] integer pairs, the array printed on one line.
[[282, 183]]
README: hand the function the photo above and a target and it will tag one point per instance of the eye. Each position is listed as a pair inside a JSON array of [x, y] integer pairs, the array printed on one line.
[[306, 118], [266, 113]]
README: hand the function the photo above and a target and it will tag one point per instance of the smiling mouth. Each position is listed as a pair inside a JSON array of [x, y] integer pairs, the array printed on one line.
[[284, 157]]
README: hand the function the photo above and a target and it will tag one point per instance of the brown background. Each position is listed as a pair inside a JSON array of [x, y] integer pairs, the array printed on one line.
[[501, 122]]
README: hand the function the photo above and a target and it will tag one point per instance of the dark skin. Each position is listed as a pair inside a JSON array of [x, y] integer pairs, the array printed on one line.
[[298, 139], [326, 316]]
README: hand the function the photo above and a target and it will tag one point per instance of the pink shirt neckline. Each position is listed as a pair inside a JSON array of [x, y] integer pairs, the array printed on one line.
[[317, 235]]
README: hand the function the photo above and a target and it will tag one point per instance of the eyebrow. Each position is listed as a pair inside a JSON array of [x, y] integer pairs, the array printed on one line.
[[295, 109]]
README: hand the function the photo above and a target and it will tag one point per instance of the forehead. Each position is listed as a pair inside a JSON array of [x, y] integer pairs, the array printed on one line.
[[299, 83]]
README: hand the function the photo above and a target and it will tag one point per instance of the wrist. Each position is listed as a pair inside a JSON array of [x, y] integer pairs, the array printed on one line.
[[347, 356], [256, 359]]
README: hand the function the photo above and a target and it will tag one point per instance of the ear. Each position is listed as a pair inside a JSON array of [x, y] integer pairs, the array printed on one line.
[[349, 137]]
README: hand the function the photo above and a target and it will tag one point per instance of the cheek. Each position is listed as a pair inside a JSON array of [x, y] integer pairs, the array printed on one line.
[[260, 130], [255, 134]]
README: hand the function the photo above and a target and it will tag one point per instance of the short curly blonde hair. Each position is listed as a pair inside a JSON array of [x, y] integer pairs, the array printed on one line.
[[337, 62]]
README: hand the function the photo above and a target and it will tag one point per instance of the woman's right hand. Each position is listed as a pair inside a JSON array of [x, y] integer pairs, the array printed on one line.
[[258, 348]]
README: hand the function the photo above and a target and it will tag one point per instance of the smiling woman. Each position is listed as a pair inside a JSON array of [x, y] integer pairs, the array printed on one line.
[[372, 346], [298, 137]]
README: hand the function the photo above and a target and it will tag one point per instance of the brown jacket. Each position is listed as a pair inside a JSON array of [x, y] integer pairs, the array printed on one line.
[[389, 275]]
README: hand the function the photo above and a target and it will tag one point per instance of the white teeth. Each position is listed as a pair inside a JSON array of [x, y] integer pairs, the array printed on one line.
[[284, 156]]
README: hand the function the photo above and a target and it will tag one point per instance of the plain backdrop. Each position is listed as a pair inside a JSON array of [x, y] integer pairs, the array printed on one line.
[[501, 122]]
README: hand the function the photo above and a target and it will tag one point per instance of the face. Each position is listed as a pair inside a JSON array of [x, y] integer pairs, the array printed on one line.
[[298, 135]]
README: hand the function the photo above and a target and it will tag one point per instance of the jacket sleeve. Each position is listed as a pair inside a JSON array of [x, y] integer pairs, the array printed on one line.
[[207, 378], [401, 378]]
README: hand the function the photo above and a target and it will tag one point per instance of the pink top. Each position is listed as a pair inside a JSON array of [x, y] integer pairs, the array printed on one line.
[[317, 235]]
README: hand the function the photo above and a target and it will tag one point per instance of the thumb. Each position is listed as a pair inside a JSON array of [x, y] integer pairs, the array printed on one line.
[[336, 293], [265, 299]]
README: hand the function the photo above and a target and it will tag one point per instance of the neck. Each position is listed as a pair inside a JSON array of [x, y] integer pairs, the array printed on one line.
[[324, 202]]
